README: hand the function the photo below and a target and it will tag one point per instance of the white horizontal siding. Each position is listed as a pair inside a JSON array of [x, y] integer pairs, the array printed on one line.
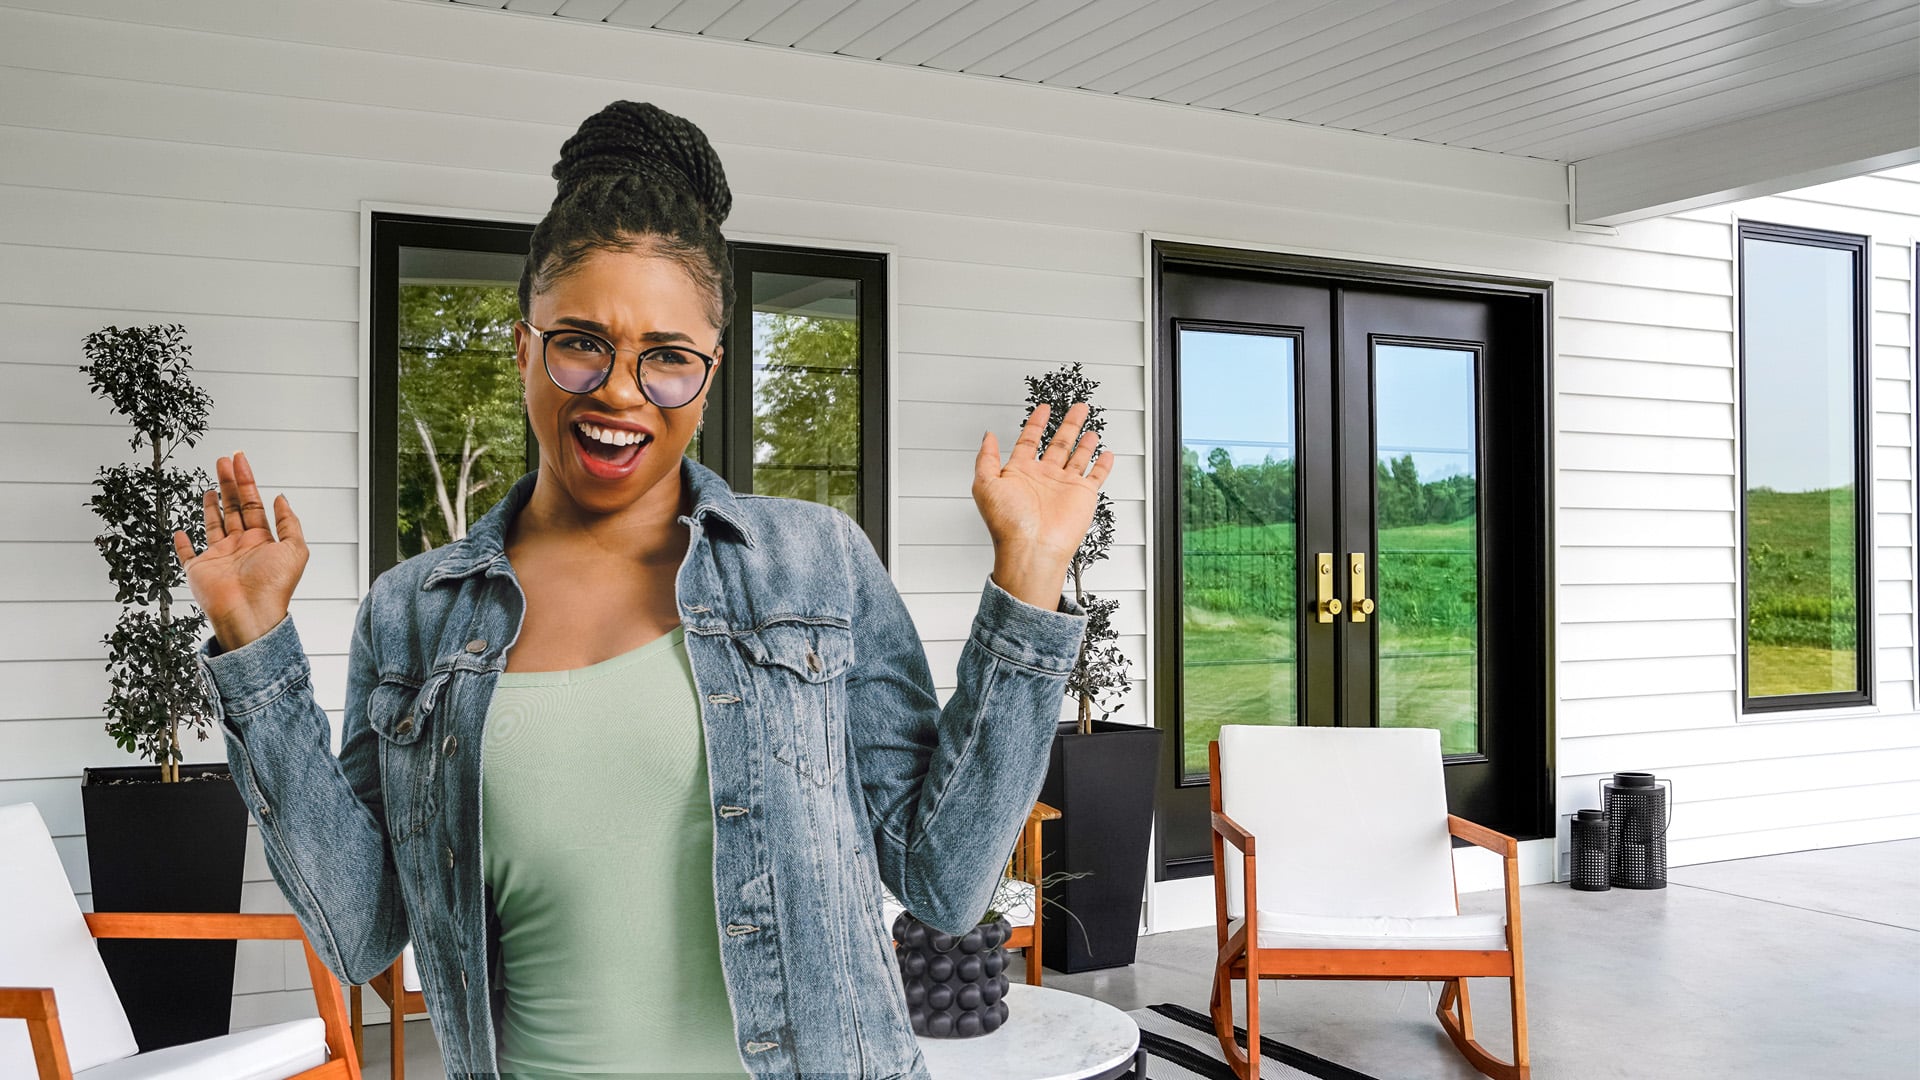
[[206, 162]]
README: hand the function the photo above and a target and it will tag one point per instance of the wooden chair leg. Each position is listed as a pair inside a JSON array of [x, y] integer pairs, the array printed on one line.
[[1241, 1061], [359, 1036], [1459, 1027], [398, 1021], [1033, 959]]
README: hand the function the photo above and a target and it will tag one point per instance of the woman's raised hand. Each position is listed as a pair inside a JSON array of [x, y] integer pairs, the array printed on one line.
[[245, 578], [1039, 506]]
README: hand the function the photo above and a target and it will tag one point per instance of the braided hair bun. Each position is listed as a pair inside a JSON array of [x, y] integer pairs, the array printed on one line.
[[633, 137], [636, 177]]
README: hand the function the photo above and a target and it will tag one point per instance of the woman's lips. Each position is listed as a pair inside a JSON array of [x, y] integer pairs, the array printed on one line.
[[602, 466]]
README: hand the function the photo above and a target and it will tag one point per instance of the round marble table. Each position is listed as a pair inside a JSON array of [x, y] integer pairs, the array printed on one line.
[[1049, 1035]]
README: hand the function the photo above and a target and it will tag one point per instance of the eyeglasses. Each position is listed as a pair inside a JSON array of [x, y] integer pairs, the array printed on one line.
[[580, 363]]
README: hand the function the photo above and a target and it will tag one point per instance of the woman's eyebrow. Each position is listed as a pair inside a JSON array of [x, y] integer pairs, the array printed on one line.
[[652, 337]]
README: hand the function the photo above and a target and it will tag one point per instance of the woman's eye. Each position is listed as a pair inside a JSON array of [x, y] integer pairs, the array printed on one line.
[[587, 345]]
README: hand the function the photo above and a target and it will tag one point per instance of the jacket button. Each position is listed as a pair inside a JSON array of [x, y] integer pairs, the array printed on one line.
[[449, 858], [463, 978], [450, 745], [813, 660], [477, 645], [405, 725]]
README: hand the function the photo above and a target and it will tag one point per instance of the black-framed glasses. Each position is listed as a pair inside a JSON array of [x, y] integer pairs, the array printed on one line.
[[580, 363]]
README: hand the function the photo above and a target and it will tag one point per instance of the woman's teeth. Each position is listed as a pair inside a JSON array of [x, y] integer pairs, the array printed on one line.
[[611, 436]]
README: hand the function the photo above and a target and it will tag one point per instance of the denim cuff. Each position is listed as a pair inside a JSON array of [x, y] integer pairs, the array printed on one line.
[[1015, 630], [242, 680]]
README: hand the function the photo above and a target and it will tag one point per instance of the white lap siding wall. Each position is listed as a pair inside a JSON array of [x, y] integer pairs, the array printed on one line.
[[207, 162]]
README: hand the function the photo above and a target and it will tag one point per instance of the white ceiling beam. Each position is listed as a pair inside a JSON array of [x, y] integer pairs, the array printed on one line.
[[1829, 139]]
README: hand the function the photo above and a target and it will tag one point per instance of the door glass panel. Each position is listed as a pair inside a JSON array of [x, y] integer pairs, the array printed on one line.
[[806, 389], [462, 436], [1426, 570], [1238, 552]]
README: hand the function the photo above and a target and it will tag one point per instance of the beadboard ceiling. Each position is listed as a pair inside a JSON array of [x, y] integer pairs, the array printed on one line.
[[1563, 80]]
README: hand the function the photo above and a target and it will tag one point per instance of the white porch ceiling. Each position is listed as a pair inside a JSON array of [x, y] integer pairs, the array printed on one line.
[[1564, 80]]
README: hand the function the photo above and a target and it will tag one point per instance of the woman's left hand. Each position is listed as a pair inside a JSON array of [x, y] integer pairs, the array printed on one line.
[[1038, 506]]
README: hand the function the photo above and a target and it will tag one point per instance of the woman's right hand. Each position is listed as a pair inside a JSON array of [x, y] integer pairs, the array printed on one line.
[[245, 577]]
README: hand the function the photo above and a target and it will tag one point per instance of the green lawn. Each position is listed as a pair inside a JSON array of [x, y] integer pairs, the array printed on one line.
[[1802, 615], [1239, 632]]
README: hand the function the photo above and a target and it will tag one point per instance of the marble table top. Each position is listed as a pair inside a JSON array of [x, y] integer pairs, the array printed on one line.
[[1049, 1035]]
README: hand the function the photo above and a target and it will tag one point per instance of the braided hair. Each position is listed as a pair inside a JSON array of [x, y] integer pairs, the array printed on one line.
[[636, 177]]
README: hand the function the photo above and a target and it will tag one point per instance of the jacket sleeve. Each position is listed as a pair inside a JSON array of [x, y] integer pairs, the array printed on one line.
[[321, 818], [947, 789]]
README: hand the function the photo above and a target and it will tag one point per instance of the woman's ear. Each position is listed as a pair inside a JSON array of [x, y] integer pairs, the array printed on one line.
[[522, 342]]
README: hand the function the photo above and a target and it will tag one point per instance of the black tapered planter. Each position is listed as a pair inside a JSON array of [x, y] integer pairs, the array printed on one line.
[[167, 847], [1103, 786]]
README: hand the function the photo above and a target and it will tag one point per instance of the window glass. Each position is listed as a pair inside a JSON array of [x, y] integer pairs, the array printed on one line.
[[1801, 395], [461, 426], [806, 389]]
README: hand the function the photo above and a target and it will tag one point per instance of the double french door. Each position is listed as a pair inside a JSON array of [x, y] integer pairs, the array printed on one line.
[[1353, 525]]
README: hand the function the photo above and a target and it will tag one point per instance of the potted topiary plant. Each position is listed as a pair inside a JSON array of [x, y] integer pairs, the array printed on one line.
[[166, 836], [1100, 773]]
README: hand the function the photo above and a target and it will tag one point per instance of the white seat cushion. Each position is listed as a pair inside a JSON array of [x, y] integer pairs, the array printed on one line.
[[410, 970], [1013, 898], [1281, 930], [44, 941], [274, 1052]]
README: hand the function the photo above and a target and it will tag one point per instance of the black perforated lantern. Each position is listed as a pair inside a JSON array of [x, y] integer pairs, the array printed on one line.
[[956, 984], [1638, 810], [1590, 871]]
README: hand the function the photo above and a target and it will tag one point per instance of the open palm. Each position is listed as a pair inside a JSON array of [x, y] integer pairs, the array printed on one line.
[[1041, 502], [245, 578]]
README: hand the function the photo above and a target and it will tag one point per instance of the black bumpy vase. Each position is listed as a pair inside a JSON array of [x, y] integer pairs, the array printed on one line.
[[956, 986]]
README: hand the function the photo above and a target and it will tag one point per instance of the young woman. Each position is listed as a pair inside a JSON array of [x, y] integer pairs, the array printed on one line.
[[706, 724]]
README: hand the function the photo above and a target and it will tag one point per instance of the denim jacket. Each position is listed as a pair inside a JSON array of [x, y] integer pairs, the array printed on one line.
[[832, 766]]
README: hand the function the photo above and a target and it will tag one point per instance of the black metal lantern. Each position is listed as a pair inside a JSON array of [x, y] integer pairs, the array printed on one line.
[[1638, 810], [1590, 872]]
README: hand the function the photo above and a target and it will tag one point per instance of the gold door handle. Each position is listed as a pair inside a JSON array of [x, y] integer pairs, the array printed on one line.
[[1329, 605], [1357, 587]]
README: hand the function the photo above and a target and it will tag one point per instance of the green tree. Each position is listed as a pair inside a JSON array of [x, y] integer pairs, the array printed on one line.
[[806, 409], [462, 422]]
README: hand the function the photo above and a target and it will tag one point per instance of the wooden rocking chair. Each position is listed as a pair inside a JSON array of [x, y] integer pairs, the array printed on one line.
[[1355, 879]]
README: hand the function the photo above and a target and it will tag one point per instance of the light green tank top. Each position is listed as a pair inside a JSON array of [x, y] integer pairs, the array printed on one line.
[[597, 827]]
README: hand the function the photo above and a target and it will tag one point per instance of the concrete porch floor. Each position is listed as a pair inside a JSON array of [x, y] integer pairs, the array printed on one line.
[[1794, 966]]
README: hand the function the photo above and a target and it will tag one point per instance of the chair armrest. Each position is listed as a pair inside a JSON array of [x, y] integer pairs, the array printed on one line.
[[1042, 812], [1481, 836], [1231, 831], [36, 1006], [227, 926], [213, 926]]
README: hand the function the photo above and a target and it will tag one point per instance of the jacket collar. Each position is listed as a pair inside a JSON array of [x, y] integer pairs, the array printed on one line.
[[484, 546]]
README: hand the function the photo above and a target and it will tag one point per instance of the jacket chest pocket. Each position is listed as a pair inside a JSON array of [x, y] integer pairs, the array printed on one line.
[[402, 714], [799, 673]]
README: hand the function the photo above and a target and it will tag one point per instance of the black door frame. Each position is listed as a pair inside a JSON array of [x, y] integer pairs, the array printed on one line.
[[1526, 314]]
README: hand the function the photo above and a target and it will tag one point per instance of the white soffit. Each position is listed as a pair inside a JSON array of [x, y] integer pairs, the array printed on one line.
[[1611, 83]]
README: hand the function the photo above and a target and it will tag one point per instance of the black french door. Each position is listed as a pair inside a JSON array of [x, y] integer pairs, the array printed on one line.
[[1353, 512]]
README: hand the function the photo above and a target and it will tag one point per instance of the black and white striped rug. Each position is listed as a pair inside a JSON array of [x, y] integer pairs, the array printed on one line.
[[1181, 1045]]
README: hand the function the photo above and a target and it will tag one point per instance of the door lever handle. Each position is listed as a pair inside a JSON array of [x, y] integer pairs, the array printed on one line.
[[1329, 604], [1357, 587]]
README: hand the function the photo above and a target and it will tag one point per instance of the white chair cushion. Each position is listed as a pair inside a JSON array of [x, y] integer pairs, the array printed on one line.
[[274, 1052], [1013, 898], [410, 970], [1281, 930], [1346, 821], [44, 941]]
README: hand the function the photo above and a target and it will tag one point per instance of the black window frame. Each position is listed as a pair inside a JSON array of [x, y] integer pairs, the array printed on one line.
[[725, 447], [1861, 249]]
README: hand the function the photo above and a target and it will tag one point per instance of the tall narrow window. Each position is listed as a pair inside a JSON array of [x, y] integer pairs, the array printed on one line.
[[797, 407], [1805, 517]]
